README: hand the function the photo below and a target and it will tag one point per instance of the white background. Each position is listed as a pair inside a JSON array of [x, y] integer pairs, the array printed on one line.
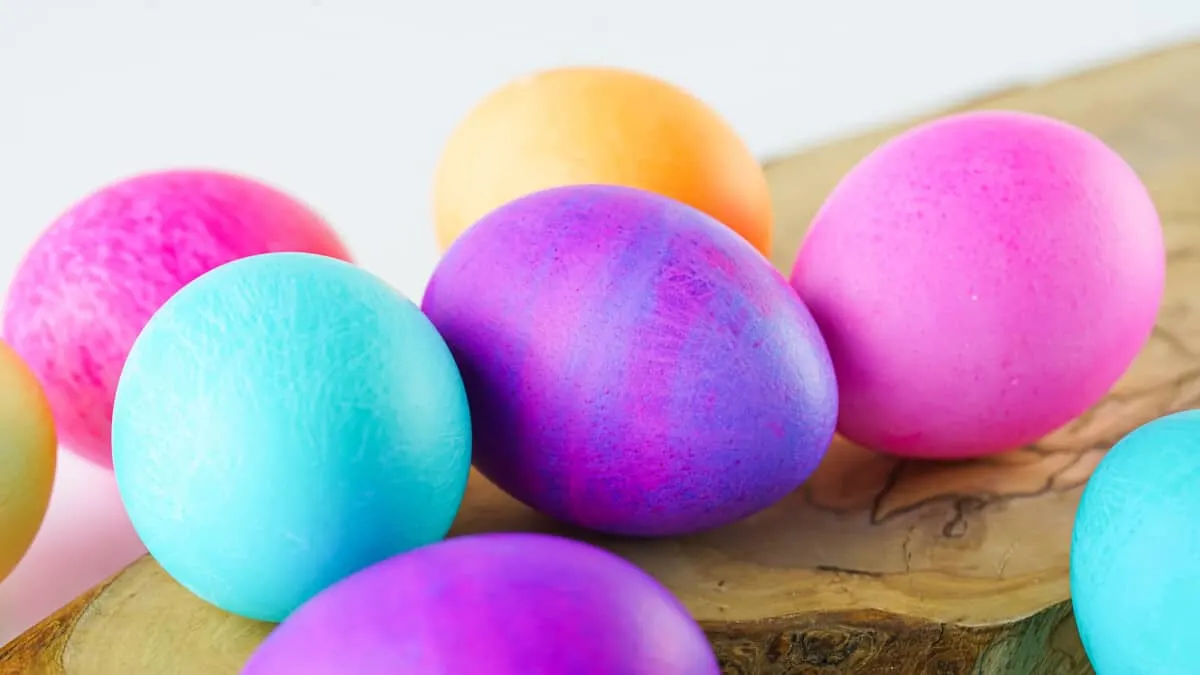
[[346, 103]]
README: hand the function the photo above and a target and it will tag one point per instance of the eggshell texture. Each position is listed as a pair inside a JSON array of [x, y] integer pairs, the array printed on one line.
[[501, 604], [981, 280], [1135, 551], [633, 367], [283, 421], [28, 457], [90, 283], [598, 125]]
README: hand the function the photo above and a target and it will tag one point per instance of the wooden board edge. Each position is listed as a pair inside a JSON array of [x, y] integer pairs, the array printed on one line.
[[868, 641], [40, 649]]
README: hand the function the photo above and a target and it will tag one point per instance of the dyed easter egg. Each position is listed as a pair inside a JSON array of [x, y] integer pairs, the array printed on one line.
[[501, 604], [633, 367], [981, 280], [1135, 550], [283, 421], [90, 283], [598, 125], [28, 457]]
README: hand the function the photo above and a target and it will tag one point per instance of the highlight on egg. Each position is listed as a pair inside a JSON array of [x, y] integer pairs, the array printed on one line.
[[981, 280], [283, 421], [633, 366]]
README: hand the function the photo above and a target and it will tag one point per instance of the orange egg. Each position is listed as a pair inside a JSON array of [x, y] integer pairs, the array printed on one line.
[[28, 457], [598, 125]]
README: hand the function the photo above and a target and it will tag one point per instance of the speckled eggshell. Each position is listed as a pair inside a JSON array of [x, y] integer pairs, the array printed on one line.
[[283, 421], [90, 283], [633, 366], [500, 604], [981, 280], [28, 459], [1135, 551]]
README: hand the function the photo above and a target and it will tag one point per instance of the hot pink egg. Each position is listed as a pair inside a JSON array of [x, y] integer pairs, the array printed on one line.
[[981, 280], [90, 283]]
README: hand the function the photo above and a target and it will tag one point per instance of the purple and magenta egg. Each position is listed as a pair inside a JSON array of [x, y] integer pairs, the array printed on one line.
[[633, 367], [501, 604], [91, 282]]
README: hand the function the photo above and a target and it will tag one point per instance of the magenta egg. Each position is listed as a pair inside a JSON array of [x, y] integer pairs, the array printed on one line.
[[981, 280], [93, 279], [500, 604], [632, 366]]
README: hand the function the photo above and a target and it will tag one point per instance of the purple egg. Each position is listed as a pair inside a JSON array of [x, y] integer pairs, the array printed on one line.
[[500, 604], [632, 366]]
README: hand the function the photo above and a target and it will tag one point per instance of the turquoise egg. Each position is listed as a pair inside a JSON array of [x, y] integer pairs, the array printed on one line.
[[1135, 552], [282, 422]]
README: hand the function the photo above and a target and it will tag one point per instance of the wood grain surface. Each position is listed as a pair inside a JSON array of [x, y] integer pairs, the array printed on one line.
[[877, 565]]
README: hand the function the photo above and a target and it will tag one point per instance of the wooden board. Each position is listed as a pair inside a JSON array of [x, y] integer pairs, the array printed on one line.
[[877, 565]]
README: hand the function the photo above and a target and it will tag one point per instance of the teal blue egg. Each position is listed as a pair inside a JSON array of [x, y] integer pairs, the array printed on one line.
[[282, 422], [1135, 552]]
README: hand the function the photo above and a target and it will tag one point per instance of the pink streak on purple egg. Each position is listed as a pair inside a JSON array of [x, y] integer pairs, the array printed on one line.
[[633, 367], [90, 283], [500, 604]]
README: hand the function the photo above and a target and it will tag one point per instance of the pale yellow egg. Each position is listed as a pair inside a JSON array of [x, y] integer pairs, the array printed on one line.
[[28, 458]]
